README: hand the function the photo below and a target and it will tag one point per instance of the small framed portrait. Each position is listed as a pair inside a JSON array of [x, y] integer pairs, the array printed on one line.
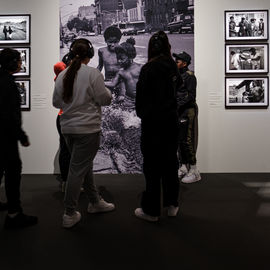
[[251, 92], [15, 29], [246, 25], [251, 58], [24, 89], [25, 56]]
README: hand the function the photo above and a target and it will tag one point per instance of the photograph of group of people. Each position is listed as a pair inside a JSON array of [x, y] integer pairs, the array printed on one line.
[[248, 58], [241, 25]]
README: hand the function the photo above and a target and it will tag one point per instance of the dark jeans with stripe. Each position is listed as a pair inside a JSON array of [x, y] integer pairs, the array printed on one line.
[[188, 136]]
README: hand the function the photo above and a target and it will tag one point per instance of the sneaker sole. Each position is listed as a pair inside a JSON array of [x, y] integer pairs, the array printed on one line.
[[193, 181], [101, 211]]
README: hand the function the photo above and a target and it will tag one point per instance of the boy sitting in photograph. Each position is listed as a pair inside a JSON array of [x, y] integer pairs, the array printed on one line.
[[128, 73]]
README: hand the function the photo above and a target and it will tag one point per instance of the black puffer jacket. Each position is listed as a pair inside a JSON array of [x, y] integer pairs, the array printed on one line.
[[186, 94]]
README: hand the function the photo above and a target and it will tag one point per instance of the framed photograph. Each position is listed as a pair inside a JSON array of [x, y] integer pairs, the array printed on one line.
[[25, 56], [251, 92], [251, 58], [15, 29], [24, 89], [246, 25]]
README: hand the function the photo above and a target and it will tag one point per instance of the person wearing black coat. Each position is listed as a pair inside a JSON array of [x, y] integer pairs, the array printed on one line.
[[11, 133], [156, 106], [188, 121]]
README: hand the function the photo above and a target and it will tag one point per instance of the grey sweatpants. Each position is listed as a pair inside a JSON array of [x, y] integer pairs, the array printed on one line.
[[83, 149]]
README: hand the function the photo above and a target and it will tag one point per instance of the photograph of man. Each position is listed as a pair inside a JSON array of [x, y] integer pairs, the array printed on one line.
[[247, 91], [232, 25]]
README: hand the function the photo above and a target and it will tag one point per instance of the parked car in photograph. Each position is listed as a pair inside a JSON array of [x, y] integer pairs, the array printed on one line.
[[129, 32], [181, 23], [69, 37]]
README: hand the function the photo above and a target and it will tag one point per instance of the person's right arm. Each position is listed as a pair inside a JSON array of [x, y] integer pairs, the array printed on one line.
[[57, 96]]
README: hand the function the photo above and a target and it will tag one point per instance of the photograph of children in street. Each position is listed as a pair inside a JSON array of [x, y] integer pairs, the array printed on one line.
[[246, 25], [247, 92], [120, 32], [247, 58], [14, 29]]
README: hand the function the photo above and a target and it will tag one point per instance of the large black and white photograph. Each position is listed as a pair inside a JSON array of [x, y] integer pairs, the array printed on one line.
[[120, 31], [14, 29], [246, 25], [24, 89], [250, 58], [246, 92]]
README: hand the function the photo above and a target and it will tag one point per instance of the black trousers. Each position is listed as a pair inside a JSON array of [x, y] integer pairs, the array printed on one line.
[[160, 165], [64, 155], [11, 166]]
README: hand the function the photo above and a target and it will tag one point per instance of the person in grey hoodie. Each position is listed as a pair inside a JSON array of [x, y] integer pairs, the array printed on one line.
[[80, 92]]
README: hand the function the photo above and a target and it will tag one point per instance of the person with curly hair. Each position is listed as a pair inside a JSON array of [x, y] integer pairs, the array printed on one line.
[[107, 56], [129, 71]]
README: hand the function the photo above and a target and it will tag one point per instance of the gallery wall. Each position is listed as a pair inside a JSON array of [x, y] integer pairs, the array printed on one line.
[[229, 140]]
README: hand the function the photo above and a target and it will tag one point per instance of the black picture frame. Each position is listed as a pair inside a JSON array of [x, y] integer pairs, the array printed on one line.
[[26, 57], [243, 26], [246, 92], [20, 29], [247, 58], [24, 87]]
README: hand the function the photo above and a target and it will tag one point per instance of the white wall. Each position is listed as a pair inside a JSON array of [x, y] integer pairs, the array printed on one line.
[[229, 140], [40, 123]]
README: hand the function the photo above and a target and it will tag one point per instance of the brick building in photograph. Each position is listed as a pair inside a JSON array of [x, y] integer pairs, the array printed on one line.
[[158, 13], [113, 11]]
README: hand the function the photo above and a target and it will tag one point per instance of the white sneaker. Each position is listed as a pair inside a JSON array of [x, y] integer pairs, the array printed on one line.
[[100, 206], [191, 177], [140, 214], [182, 171], [172, 211], [70, 221]]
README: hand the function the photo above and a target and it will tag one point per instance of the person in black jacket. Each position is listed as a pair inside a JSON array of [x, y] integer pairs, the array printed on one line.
[[188, 121], [157, 107], [11, 133]]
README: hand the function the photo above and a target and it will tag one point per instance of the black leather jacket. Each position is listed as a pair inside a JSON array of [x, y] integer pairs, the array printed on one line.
[[10, 110], [186, 94]]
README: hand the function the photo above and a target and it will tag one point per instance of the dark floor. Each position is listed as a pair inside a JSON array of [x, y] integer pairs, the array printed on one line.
[[224, 223]]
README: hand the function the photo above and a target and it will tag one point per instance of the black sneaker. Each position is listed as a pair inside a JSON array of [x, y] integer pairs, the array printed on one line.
[[20, 221], [3, 206]]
